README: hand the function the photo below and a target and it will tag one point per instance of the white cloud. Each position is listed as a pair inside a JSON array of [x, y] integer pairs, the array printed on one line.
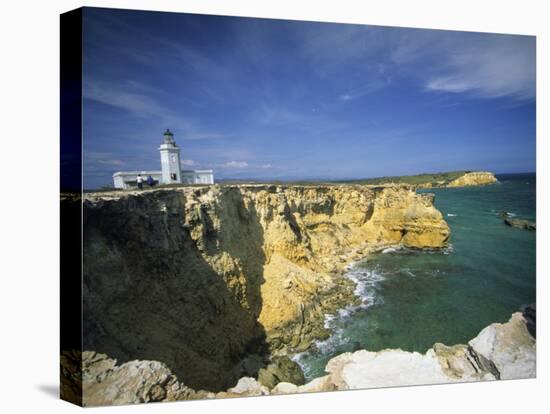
[[135, 98], [501, 67], [102, 158], [235, 164], [188, 163], [116, 163], [483, 65], [448, 84], [365, 89], [135, 103]]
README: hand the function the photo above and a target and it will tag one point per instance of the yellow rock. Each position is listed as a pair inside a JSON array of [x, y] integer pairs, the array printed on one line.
[[473, 178], [281, 250]]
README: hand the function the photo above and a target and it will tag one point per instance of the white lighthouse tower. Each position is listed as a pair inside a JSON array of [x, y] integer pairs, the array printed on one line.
[[170, 160]]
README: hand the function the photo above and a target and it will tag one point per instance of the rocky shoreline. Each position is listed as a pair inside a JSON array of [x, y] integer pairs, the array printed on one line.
[[499, 352]]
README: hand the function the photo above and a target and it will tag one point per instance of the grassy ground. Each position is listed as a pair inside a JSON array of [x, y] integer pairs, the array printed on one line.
[[436, 178]]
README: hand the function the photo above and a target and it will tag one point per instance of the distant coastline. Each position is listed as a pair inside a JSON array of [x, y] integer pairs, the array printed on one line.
[[420, 181], [427, 180]]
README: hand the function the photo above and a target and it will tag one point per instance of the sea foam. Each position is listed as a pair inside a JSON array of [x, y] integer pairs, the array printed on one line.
[[366, 289]]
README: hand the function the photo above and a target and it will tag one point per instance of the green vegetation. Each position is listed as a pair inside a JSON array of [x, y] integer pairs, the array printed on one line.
[[434, 179]]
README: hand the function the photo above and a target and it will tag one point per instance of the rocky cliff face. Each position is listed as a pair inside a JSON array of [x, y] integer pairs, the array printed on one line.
[[500, 351], [203, 279], [473, 178], [106, 382]]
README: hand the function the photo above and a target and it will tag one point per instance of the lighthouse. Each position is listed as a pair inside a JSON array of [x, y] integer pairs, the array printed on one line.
[[170, 160], [170, 173]]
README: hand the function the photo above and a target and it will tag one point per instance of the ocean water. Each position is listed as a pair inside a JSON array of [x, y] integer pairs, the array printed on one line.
[[412, 299]]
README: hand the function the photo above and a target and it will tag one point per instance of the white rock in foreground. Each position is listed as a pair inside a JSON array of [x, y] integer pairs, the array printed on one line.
[[387, 368], [248, 386], [510, 346], [318, 384], [284, 388]]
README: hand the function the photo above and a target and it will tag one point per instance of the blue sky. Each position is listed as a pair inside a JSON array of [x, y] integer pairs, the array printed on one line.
[[261, 98]]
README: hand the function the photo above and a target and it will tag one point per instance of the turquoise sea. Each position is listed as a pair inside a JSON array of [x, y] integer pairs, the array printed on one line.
[[412, 299]]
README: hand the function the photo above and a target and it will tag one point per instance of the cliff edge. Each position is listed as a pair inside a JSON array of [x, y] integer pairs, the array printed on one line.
[[212, 281]]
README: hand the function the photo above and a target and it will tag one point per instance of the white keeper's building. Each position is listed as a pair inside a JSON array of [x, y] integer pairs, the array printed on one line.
[[170, 173]]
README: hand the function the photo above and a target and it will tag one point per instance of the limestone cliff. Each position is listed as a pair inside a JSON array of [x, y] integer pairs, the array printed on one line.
[[201, 278], [436, 180], [106, 382], [473, 178], [500, 351]]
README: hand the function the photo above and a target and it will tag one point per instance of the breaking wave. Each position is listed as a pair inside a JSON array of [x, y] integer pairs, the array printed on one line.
[[402, 250], [390, 250], [367, 283], [502, 213]]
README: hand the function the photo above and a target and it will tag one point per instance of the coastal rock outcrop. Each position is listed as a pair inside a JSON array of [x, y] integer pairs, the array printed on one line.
[[500, 351], [105, 382], [473, 178], [520, 223], [281, 369], [509, 346], [201, 278]]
